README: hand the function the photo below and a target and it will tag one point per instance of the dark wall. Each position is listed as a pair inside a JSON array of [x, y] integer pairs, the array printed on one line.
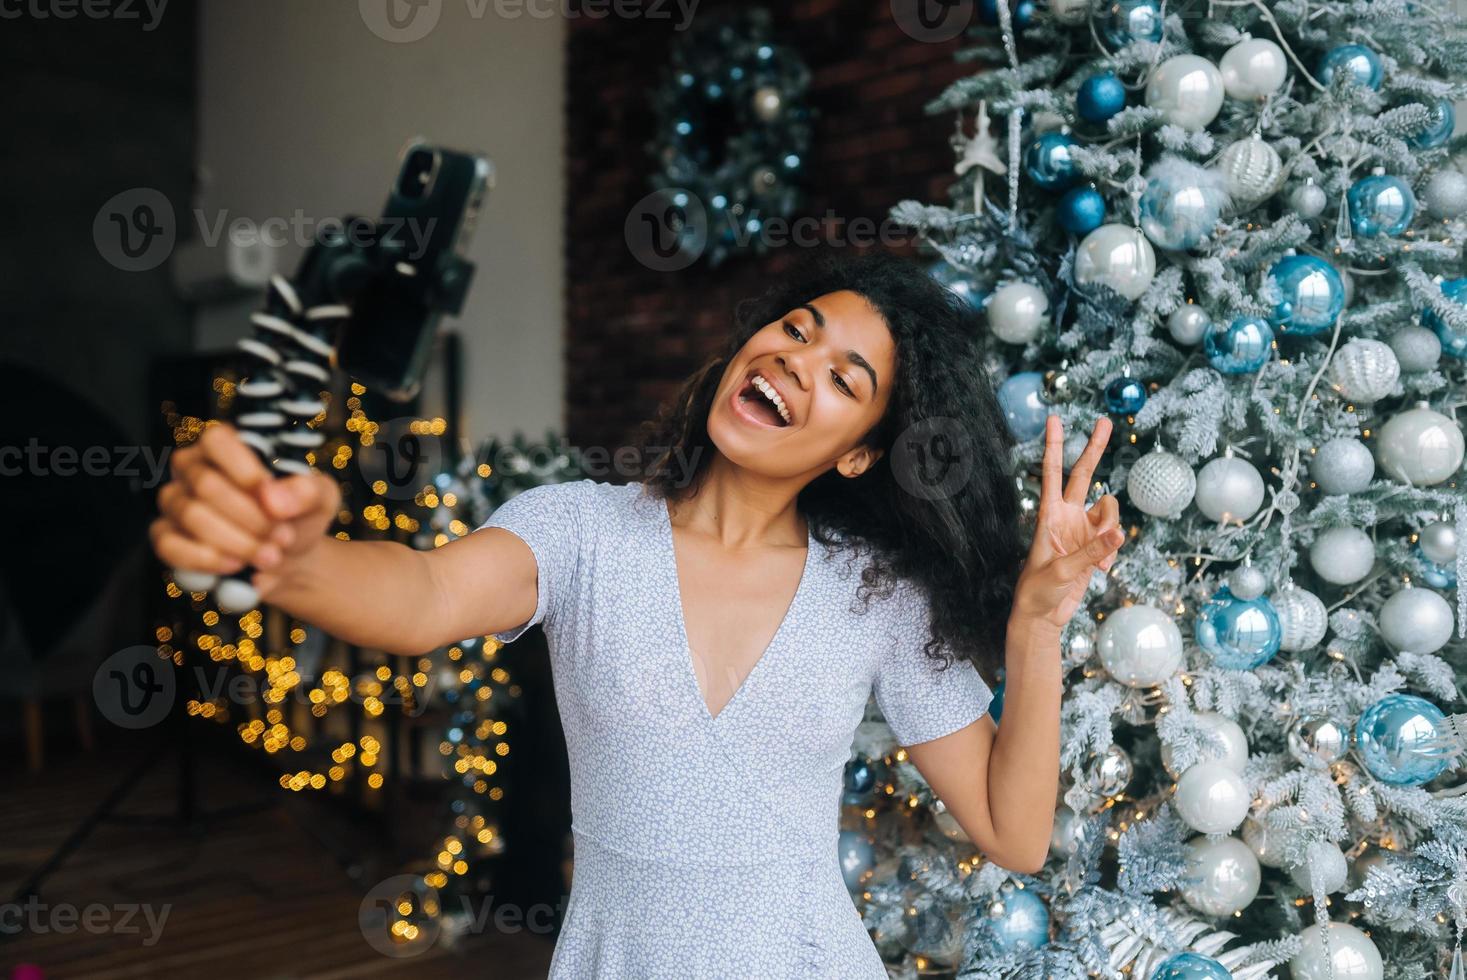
[[633, 333], [93, 106]]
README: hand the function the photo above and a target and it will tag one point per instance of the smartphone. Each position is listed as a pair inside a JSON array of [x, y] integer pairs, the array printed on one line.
[[427, 222]]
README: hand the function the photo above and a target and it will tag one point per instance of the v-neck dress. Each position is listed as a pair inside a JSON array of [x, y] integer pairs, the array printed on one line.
[[705, 845]]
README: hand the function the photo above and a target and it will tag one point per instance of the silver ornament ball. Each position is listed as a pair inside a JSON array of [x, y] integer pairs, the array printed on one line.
[[1308, 199], [1017, 311], [1417, 348], [1250, 169], [1418, 620], [1420, 446], [1161, 484], [1118, 256], [1139, 645], [1352, 956], [1303, 620], [1211, 798], [1343, 466], [1188, 89], [1438, 542], [1188, 325], [1445, 193], [1317, 742], [1229, 489], [1364, 370], [1222, 877], [1342, 555], [1247, 581], [1253, 68]]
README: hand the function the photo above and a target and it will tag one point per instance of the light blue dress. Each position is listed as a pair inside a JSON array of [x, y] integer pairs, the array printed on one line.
[[705, 845]]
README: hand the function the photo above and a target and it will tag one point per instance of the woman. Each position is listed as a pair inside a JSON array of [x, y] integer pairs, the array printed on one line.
[[827, 514]]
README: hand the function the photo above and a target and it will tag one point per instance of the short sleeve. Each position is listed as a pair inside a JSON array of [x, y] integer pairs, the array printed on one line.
[[920, 699], [548, 519]]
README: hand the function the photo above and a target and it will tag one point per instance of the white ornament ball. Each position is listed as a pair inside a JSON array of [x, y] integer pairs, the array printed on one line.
[[1188, 325], [1161, 484], [1139, 646], [1235, 744], [1364, 370], [1188, 89], [1326, 868], [1118, 256], [1352, 956], [1067, 834], [1250, 169], [1211, 798], [1342, 555], [1343, 466], [1070, 12], [1247, 581], [1438, 542], [1420, 446], [1017, 311], [1229, 489], [1445, 193], [1303, 619], [1417, 348], [194, 581], [1418, 620], [1222, 877], [1308, 200], [1265, 842], [1253, 68]]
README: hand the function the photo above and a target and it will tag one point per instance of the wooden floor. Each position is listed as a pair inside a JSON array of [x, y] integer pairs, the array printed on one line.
[[255, 896]]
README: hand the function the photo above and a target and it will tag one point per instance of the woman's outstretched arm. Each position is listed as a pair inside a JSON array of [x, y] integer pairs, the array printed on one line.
[[223, 510]]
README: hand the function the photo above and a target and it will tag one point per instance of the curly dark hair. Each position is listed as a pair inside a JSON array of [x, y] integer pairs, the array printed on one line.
[[964, 549]]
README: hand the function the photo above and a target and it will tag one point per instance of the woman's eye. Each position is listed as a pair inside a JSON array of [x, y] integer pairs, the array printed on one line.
[[842, 383], [790, 327]]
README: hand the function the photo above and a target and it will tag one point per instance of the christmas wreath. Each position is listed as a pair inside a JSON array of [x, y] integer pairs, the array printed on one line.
[[732, 129]]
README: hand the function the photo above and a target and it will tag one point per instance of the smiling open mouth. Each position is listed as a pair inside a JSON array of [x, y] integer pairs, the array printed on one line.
[[761, 401]]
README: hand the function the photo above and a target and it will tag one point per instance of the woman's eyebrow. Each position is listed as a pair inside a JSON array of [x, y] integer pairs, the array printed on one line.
[[854, 357]]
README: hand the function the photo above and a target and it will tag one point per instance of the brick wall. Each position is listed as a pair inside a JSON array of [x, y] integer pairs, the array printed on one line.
[[632, 333]]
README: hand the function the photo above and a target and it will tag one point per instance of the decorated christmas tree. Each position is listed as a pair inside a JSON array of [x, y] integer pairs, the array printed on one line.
[[1235, 228]]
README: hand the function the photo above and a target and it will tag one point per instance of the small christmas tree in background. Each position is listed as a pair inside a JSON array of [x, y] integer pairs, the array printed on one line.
[[1235, 227]]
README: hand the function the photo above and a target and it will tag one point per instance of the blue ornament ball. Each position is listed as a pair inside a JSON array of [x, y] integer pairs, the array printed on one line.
[[957, 281], [1100, 97], [1395, 738], [1438, 129], [1026, 12], [1187, 965], [1081, 210], [1241, 347], [988, 11], [1434, 575], [1124, 21], [1312, 295], [1454, 342], [1048, 162], [1363, 64], [856, 855], [1021, 397], [1181, 205], [995, 706], [1238, 634], [1125, 396], [1019, 918], [860, 779], [1381, 204]]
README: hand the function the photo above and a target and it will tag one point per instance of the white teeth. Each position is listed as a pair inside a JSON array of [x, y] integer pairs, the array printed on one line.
[[772, 395]]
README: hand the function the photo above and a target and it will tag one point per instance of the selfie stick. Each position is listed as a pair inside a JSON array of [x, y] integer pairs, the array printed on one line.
[[288, 360]]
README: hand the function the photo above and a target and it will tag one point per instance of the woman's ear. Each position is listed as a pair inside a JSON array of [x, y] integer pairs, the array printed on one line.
[[858, 461]]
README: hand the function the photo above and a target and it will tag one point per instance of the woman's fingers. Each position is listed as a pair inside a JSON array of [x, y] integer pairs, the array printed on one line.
[[179, 550], [206, 483], [201, 522]]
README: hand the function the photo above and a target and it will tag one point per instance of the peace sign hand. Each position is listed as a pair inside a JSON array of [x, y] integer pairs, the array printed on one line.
[[1069, 540]]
